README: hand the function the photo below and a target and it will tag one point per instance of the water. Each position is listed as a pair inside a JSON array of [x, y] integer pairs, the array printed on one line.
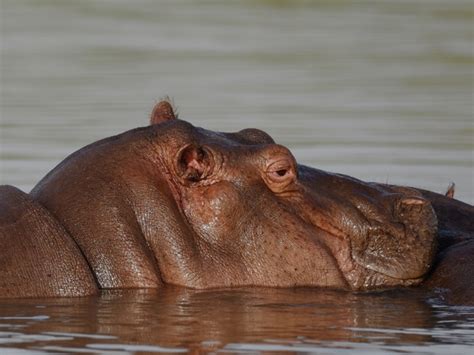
[[245, 320], [381, 90]]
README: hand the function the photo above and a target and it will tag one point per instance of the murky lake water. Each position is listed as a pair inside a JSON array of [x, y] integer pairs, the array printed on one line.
[[242, 321], [381, 90]]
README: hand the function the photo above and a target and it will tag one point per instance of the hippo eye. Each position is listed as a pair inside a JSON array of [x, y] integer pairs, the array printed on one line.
[[279, 175], [282, 172]]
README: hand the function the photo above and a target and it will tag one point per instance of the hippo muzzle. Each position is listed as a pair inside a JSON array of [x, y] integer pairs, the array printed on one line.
[[380, 235]]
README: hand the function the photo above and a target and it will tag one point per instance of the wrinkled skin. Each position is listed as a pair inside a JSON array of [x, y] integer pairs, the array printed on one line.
[[172, 203]]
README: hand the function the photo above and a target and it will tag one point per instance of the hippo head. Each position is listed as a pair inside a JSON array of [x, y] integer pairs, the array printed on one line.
[[247, 214]]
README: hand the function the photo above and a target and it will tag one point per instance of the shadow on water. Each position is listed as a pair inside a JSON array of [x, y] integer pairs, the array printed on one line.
[[248, 319]]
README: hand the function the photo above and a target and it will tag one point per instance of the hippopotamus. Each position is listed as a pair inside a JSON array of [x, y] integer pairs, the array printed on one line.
[[171, 203]]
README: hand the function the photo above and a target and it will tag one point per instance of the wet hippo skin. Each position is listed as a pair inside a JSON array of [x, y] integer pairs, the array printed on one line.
[[171, 203]]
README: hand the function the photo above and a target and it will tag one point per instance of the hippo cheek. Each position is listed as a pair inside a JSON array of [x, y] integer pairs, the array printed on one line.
[[402, 248], [214, 211]]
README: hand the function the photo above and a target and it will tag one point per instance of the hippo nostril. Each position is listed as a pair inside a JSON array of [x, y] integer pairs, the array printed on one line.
[[411, 206], [413, 201]]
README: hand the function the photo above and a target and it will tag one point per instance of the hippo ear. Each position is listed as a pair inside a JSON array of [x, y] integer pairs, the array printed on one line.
[[163, 111], [194, 163], [450, 192]]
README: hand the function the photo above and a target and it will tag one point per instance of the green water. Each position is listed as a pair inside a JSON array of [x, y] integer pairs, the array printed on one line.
[[381, 90]]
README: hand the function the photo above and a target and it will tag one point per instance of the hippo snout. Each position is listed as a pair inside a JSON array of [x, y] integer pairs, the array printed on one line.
[[398, 246], [402, 248], [379, 235]]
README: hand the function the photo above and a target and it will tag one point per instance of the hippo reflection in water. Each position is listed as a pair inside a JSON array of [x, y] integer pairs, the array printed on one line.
[[174, 204]]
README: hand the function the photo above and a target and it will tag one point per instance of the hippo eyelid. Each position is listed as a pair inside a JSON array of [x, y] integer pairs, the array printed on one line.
[[279, 175], [280, 167]]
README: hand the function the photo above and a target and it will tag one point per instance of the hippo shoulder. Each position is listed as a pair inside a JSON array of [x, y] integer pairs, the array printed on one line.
[[36, 247]]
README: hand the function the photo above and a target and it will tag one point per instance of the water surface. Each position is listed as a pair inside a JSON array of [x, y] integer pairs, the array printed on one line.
[[244, 320], [381, 90]]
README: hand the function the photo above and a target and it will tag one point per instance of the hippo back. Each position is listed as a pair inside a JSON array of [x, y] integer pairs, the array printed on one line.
[[38, 259], [451, 276]]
